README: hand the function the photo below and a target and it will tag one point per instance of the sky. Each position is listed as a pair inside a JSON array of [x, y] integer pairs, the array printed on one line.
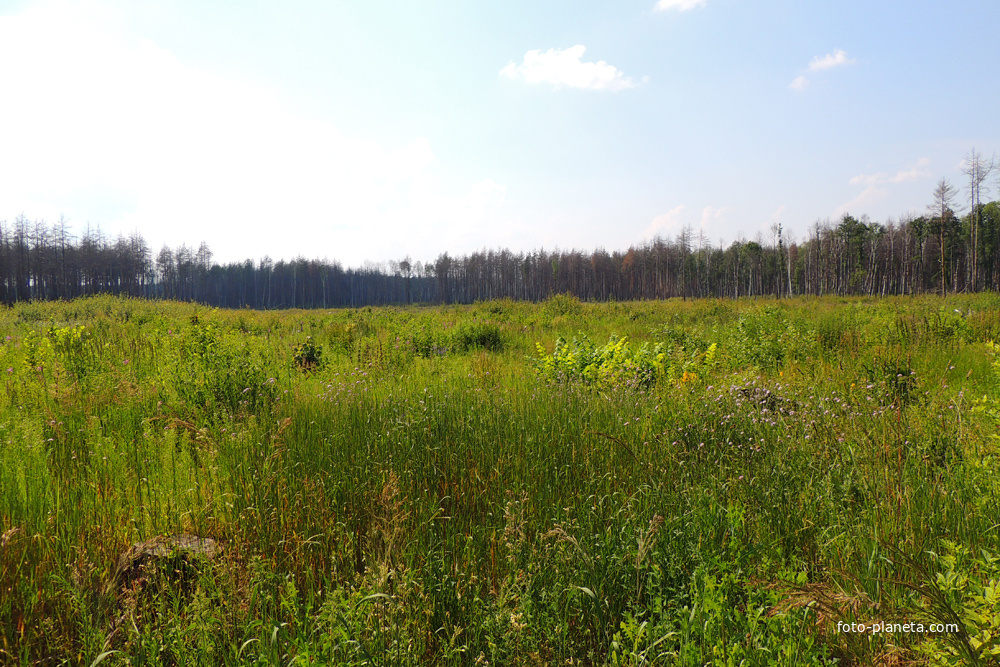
[[373, 131]]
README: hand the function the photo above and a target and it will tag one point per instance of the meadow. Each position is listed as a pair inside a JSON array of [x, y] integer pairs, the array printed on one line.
[[645, 483]]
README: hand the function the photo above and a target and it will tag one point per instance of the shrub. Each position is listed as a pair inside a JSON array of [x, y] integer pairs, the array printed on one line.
[[562, 304], [497, 307], [307, 355], [618, 363], [676, 338], [766, 339], [424, 340], [477, 336], [948, 326], [223, 372]]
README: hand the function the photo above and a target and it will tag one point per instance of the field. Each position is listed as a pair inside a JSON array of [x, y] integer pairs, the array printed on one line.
[[644, 483]]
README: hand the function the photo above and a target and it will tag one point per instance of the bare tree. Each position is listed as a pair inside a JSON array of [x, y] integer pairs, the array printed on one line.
[[943, 209], [977, 168]]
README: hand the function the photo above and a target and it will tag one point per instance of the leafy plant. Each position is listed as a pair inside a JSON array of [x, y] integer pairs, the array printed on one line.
[[617, 363], [477, 335], [222, 372], [766, 339], [612, 364], [962, 600], [562, 305], [307, 355]]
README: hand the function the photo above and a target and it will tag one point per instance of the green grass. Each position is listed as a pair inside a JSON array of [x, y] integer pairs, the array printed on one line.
[[450, 486]]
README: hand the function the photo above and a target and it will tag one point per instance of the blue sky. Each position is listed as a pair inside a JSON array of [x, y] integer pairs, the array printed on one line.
[[375, 130]]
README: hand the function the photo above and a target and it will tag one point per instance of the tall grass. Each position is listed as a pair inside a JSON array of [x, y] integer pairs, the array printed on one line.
[[420, 493]]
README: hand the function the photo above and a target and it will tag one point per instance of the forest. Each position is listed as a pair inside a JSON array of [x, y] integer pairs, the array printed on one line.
[[939, 252]]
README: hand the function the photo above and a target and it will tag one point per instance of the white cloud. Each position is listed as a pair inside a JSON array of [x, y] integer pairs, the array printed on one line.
[[563, 67], [835, 59], [676, 219], [857, 206], [679, 5], [915, 173], [874, 186], [713, 216], [668, 224], [799, 83], [870, 179], [116, 131]]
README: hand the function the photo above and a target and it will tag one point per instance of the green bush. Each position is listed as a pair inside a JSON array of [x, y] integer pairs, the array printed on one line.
[[766, 339], [477, 336], [223, 372], [618, 363], [948, 326], [562, 304], [423, 340], [307, 355]]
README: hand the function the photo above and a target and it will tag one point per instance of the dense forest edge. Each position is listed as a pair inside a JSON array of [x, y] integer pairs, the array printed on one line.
[[939, 252]]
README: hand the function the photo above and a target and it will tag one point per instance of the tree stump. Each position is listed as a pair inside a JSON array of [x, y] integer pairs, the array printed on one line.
[[179, 550]]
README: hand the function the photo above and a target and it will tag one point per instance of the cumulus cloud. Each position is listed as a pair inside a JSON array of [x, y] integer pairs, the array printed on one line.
[[799, 83], [836, 59], [679, 5], [667, 224], [875, 186], [564, 68], [917, 172], [713, 216], [114, 130], [868, 197]]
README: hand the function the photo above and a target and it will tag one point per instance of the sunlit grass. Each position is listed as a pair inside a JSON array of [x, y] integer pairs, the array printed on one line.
[[419, 493]]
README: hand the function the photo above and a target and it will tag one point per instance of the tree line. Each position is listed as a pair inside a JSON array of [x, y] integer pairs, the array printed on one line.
[[940, 251]]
